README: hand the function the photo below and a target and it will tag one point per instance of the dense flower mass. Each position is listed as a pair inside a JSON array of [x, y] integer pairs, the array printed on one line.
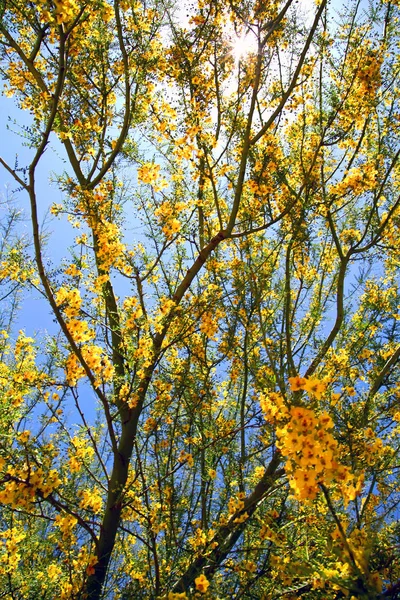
[[305, 438]]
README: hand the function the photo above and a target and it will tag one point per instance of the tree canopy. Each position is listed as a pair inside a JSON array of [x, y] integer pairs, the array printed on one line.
[[214, 410]]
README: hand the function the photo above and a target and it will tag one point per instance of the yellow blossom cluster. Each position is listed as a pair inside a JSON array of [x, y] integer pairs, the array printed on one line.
[[199, 539], [66, 525], [132, 311], [19, 79], [186, 457], [69, 301], [20, 376], [209, 322], [183, 149], [371, 450], [53, 572], [268, 533], [350, 235], [95, 207], [79, 330], [274, 407], [144, 354], [362, 70], [202, 583], [10, 540], [236, 503], [79, 451], [166, 305], [209, 326], [96, 360], [314, 387], [353, 552], [171, 228], [305, 439], [164, 117], [70, 588], [73, 270], [268, 529], [166, 214], [369, 72], [91, 500], [15, 268], [357, 181], [22, 485], [150, 173], [110, 248], [63, 11], [310, 451]]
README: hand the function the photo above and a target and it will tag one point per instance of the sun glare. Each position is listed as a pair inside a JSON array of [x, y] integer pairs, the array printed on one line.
[[243, 45]]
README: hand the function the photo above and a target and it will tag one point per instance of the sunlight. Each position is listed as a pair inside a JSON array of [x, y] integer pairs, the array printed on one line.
[[246, 42], [243, 45]]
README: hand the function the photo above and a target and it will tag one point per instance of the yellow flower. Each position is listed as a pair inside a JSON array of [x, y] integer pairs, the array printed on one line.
[[315, 387], [24, 436], [53, 572], [297, 383], [148, 173], [202, 583]]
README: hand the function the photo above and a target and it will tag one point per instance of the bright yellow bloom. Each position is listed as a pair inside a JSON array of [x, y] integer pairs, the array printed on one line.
[[297, 383], [202, 583], [315, 387]]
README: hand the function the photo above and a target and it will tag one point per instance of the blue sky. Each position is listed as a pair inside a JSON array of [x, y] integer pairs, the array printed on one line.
[[34, 316]]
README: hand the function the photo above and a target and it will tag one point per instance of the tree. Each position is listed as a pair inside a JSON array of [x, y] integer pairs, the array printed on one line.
[[217, 413]]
